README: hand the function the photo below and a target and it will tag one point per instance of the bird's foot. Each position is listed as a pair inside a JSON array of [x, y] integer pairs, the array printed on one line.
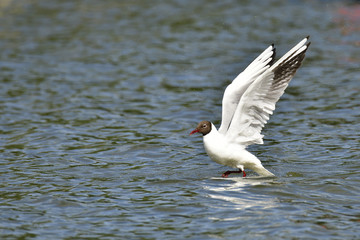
[[227, 173]]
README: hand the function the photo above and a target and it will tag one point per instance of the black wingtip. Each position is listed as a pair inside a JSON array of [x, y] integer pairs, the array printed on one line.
[[308, 36], [273, 55]]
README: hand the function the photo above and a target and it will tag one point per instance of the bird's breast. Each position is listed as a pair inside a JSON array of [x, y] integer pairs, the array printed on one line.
[[221, 151]]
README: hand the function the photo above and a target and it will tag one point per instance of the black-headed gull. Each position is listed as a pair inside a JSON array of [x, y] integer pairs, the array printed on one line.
[[247, 103]]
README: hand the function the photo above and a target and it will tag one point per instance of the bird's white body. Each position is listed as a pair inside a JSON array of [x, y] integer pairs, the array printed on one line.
[[231, 154], [247, 105]]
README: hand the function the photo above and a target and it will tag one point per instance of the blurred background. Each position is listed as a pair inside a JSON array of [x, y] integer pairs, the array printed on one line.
[[97, 100]]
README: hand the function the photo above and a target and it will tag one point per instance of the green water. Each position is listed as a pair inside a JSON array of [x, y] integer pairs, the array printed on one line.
[[97, 100]]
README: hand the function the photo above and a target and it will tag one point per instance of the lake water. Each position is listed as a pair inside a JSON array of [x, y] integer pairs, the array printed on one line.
[[98, 98]]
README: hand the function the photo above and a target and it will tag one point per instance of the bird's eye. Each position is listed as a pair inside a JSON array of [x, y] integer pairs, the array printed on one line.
[[204, 126]]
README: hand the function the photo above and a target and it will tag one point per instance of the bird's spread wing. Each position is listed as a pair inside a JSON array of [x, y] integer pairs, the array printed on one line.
[[259, 99], [236, 89]]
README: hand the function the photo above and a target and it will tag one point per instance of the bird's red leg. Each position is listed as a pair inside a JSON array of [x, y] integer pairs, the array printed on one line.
[[227, 173]]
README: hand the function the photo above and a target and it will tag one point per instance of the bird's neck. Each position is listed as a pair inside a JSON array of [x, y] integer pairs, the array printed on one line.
[[213, 133]]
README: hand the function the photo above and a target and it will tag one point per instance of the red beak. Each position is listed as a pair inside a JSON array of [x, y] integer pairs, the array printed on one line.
[[195, 131]]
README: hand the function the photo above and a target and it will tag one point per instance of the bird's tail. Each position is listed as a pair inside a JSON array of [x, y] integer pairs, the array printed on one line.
[[263, 172]]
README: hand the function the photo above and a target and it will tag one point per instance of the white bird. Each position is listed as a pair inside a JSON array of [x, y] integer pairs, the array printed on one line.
[[247, 103]]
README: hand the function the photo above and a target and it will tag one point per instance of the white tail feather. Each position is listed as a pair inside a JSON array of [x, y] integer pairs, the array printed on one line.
[[263, 172]]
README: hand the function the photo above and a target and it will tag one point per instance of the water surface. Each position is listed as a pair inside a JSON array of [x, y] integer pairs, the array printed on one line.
[[97, 100]]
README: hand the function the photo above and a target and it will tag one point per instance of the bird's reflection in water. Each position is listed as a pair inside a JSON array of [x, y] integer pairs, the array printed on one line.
[[234, 194]]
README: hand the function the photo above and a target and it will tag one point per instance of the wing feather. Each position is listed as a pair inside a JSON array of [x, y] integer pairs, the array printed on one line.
[[258, 101], [236, 89]]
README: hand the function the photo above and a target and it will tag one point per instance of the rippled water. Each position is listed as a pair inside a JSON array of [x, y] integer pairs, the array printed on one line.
[[97, 100]]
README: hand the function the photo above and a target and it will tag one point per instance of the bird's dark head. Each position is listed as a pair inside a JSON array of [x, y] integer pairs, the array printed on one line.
[[204, 127]]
